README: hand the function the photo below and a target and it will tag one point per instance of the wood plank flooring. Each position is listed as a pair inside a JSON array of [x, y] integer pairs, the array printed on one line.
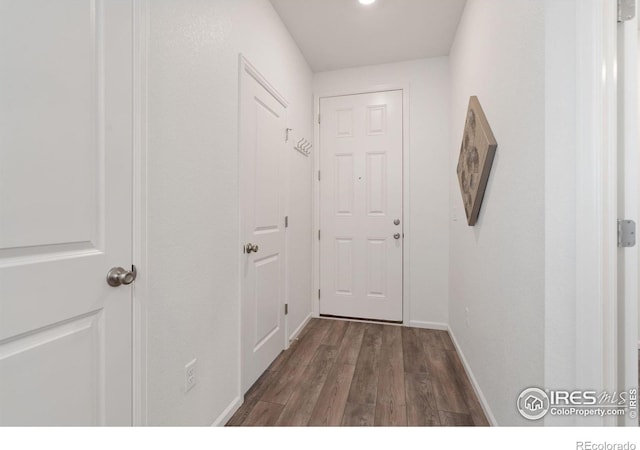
[[341, 373]]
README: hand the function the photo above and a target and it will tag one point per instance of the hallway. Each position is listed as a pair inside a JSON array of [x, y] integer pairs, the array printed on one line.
[[192, 192], [359, 374]]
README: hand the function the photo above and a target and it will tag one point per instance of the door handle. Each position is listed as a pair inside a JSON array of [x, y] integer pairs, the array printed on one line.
[[397, 236], [121, 277], [250, 248]]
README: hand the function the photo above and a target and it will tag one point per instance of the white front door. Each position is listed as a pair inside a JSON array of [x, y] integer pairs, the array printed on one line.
[[262, 146], [65, 211], [361, 206]]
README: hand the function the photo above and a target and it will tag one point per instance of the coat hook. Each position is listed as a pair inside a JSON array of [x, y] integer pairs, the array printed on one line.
[[304, 147]]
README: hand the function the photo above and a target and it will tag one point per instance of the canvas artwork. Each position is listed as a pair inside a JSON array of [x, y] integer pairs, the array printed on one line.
[[476, 158]]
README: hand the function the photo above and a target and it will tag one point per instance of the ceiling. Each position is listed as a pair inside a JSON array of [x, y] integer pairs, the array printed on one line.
[[337, 34]]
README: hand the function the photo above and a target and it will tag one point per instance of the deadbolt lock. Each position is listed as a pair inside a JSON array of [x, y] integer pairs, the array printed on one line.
[[250, 248]]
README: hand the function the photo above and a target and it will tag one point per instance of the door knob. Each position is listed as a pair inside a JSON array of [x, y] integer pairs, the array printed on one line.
[[121, 277], [396, 222], [250, 248], [397, 236]]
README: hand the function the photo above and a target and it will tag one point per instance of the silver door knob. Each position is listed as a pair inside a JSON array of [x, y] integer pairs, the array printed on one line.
[[250, 248], [396, 222], [121, 277], [397, 236]]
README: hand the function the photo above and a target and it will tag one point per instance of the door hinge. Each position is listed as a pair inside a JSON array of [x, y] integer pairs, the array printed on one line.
[[286, 309], [626, 10], [318, 234], [626, 233], [286, 134], [319, 121], [318, 294], [286, 222], [319, 176]]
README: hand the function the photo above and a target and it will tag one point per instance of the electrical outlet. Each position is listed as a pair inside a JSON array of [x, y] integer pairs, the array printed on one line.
[[466, 317], [190, 375]]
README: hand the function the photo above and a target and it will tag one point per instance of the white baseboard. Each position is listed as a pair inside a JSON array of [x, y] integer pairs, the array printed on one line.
[[412, 323], [298, 330], [428, 325], [228, 412], [476, 387]]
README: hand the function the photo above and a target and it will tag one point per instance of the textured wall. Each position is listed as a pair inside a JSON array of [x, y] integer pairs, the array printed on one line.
[[194, 242], [497, 268], [560, 209]]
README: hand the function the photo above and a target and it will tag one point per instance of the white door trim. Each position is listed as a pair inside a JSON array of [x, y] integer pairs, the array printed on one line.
[[140, 201], [628, 149], [596, 228], [246, 66], [406, 194]]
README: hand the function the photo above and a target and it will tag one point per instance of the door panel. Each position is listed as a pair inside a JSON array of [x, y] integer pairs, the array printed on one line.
[[360, 200], [344, 185], [376, 184], [35, 129], [267, 298], [68, 357], [65, 211], [262, 131], [344, 267], [376, 268]]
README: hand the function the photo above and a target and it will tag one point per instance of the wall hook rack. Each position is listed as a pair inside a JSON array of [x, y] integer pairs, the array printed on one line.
[[304, 147]]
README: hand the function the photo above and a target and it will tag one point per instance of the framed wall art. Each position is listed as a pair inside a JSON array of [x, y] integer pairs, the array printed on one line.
[[476, 158]]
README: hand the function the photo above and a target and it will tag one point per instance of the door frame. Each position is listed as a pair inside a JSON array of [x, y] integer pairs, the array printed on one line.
[[141, 295], [601, 361], [595, 205], [245, 68], [406, 188], [628, 81]]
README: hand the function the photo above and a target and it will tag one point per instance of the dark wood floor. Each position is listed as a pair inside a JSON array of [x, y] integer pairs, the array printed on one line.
[[355, 374]]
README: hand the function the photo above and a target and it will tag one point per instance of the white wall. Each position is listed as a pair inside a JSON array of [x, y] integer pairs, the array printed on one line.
[[194, 242], [428, 80], [497, 268], [560, 202]]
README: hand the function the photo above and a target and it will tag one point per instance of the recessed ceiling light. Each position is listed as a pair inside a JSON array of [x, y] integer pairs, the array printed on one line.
[[366, 2]]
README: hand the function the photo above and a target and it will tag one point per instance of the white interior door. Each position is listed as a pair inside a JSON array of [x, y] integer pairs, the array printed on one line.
[[65, 211], [262, 146], [361, 242]]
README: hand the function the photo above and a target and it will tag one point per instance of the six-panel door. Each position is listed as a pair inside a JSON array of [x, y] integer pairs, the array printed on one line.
[[361, 206]]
